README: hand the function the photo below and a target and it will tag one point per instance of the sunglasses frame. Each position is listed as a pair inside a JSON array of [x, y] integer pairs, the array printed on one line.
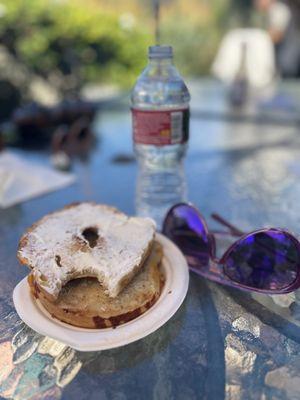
[[216, 271]]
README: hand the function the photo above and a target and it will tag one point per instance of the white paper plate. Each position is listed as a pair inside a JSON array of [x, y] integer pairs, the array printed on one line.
[[174, 291]]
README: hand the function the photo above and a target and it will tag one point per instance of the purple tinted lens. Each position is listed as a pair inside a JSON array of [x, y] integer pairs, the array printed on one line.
[[184, 226], [264, 260]]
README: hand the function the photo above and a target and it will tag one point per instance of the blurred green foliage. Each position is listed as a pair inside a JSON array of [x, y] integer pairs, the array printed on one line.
[[73, 42]]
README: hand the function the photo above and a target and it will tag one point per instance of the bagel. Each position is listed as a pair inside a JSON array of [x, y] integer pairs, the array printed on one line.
[[83, 302], [86, 240]]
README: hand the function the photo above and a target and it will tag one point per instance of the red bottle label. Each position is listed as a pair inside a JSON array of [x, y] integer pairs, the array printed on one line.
[[160, 127]]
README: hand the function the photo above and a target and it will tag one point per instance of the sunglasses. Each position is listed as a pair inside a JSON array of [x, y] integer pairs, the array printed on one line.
[[266, 260]]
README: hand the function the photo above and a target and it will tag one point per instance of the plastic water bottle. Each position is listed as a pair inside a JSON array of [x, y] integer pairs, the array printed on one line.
[[160, 119]]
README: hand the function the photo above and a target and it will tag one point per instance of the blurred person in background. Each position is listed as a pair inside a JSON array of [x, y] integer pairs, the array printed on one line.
[[284, 31]]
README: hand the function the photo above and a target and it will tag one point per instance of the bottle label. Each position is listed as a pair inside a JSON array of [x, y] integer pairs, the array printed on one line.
[[160, 127]]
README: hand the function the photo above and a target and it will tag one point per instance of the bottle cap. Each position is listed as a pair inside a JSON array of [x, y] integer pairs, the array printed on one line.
[[160, 52]]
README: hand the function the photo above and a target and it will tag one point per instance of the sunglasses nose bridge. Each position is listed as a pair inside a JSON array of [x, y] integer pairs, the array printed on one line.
[[216, 260], [212, 245]]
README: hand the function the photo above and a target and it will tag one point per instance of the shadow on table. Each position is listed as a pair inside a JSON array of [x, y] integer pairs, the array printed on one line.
[[41, 366], [10, 216], [188, 348], [266, 315]]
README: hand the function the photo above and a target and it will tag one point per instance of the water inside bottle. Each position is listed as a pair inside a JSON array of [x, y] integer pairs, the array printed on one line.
[[160, 109]]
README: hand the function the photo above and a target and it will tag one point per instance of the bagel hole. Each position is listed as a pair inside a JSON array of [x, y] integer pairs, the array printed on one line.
[[58, 261], [91, 235]]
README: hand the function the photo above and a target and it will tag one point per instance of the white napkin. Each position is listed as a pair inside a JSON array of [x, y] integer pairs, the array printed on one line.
[[21, 179]]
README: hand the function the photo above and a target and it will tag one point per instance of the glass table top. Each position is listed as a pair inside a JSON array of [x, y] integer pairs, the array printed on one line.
[[222, 343]]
